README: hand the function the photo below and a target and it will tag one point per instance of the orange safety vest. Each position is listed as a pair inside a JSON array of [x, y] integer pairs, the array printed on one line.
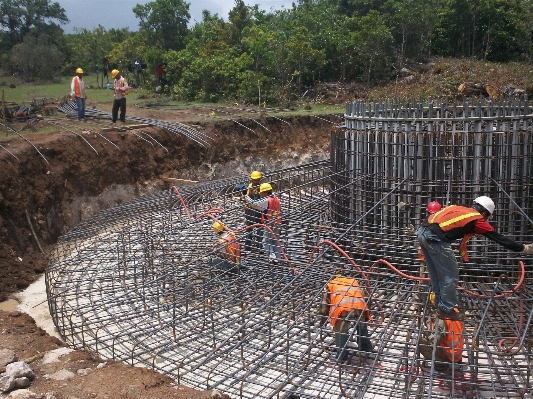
[[456, 217], [344, 296], [454, 340], [229, 241], [273, 210], [77, 91]]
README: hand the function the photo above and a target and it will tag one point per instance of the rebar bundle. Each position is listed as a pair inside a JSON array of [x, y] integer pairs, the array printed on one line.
[[136, 283]]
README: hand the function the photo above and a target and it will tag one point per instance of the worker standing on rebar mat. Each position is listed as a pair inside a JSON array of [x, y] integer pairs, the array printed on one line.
[[443, 227], [270, 209], [228, 254], [254, 236], [450, 338], [344, 303]]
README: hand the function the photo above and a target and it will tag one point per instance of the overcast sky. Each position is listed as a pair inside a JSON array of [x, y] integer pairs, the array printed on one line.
[[118, 13]]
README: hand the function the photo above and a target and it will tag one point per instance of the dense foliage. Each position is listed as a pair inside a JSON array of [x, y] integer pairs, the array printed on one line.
[[269, 57]]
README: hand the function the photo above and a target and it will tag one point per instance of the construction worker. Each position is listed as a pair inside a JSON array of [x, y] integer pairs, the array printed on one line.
[[343, 302], [270, 209], [443, 227], [450, 342], [431, 208], [228, 254], [254, 236], [77, 91], [120, 91]]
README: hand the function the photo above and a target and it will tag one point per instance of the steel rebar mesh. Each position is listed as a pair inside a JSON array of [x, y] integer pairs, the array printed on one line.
[[135, 283]]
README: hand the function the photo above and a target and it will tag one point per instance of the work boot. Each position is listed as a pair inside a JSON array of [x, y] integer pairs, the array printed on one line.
[[453, 315]]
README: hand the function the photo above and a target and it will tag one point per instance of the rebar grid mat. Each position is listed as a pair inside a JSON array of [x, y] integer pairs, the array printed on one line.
[[173, 127], [135, 283]]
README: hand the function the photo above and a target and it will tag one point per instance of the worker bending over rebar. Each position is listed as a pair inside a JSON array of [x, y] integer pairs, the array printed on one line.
[[344, 303], [450, 340], [228, 254]]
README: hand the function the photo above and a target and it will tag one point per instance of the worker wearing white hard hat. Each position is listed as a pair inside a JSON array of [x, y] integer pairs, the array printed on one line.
[[441, 228]]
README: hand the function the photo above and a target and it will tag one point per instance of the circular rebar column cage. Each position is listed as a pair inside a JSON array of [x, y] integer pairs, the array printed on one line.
[[136, 283]]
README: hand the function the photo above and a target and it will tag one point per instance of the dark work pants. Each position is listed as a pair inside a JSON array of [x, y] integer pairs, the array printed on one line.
[[341, 338], [254, 236], [122, 105]]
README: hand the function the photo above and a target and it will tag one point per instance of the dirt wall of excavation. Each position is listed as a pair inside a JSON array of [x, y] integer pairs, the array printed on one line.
[[76, 181]]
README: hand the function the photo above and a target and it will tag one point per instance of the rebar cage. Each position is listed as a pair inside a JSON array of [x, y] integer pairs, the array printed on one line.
[[135, 283]]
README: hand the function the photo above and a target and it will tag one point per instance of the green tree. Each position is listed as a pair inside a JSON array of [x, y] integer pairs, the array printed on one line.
[[20, 17], [164, 23], [36, 58], [239, 17]]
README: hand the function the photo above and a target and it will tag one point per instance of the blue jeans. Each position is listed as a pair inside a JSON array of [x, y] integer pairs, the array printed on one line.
[[80, 105], [442, 268], [271, 243]]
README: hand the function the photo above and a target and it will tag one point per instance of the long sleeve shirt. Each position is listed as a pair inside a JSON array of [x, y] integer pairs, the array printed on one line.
[[260, 204], [81, 85], [120, 87]]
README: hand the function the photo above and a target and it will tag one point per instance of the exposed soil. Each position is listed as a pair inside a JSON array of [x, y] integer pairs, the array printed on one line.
[[75, 183]]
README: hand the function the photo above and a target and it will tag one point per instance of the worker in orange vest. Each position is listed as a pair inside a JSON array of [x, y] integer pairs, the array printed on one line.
[[450, 338], [77, 91], [436, 234], [344, 303], [228, 254]]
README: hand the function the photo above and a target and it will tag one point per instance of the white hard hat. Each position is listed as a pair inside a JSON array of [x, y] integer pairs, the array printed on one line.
[[486, 203]]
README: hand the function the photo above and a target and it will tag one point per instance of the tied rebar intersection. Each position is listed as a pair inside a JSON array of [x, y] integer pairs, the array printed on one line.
[[135, 283]]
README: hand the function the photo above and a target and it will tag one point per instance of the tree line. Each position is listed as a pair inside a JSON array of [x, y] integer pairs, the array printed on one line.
[[262, 56]]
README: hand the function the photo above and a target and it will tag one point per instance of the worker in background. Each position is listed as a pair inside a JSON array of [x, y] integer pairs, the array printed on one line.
[[344, 303], [436, 233], [450, 338], [77, 91], [120, 90], [228, 254], [270, 209], [254, 236]]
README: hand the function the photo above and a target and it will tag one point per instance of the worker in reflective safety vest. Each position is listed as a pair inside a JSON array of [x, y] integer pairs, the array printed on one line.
[[442, 228], [344, 304], [228, 254], [450, 339], [78, 92]]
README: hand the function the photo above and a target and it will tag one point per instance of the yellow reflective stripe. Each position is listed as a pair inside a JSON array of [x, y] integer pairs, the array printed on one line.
[[457, 219]]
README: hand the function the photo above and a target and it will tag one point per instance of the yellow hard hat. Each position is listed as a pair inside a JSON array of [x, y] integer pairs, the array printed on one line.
[[79, 70], [255, 175], [114, 72], [265, 187], [218, 227]]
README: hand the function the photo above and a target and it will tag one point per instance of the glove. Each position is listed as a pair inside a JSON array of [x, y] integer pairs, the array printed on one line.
[[528, 249]]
